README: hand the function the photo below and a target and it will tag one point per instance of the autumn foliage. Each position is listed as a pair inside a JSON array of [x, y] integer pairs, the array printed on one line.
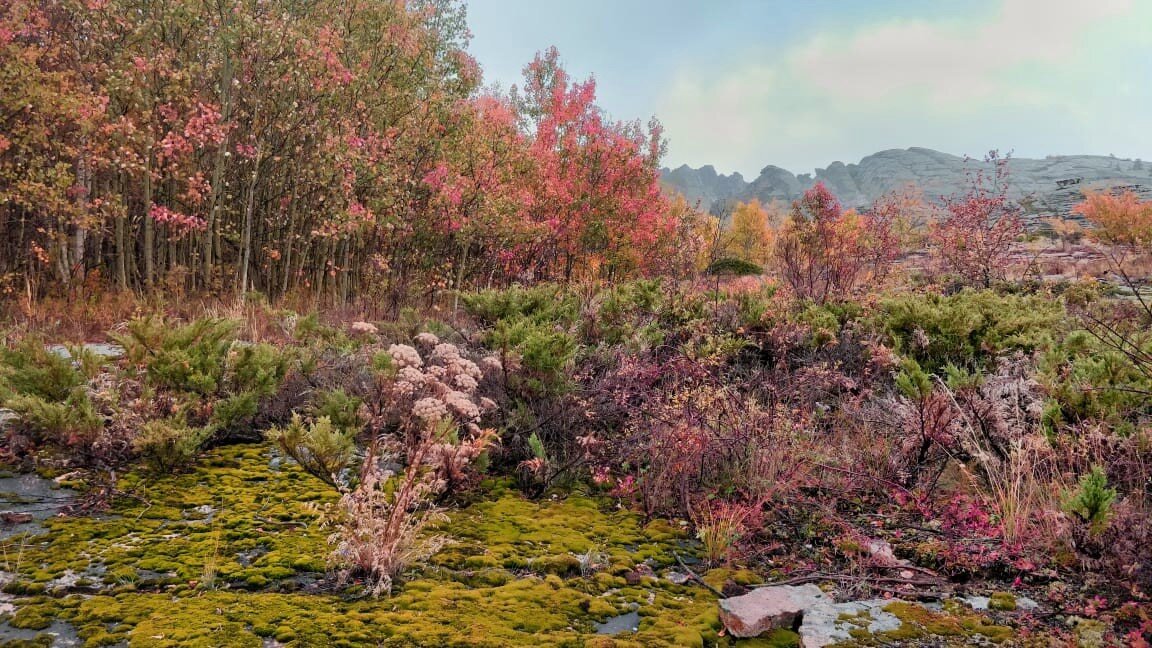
[[824, 251], [344, 149], [973, 241], [1118, 219]]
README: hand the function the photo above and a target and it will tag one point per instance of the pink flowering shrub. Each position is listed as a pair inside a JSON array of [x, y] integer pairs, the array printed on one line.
[[423, 413]]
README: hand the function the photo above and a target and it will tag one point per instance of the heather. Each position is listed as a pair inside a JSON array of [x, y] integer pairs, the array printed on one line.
[[310, 338]]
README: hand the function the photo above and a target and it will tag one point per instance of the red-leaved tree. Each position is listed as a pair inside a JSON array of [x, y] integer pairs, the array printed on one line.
[[973, 242], [826, 252]]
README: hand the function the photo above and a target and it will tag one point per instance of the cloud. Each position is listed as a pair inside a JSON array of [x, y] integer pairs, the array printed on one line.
[[1031, 74]]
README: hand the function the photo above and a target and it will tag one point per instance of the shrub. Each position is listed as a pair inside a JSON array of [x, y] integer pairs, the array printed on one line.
[[968, 329], [1091, 502], [70, 422], [825, 252], [381, 522], [31, 369], [202, 361], [342, 409], [322, 448], [543, 304], [169, 444], [1089, 380], [733, 267], [973, 241]]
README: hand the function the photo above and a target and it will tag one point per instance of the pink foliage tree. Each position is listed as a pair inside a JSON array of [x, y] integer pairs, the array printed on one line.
[[973, 242]]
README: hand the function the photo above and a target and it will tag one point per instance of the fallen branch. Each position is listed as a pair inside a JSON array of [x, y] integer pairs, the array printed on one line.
[[696, 577], [820, 576]]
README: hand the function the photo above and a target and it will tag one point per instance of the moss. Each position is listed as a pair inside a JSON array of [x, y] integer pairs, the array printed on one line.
[[31, 618], [1004, 601], [164, 539], [509, 577], [919, 622], [779, 638]]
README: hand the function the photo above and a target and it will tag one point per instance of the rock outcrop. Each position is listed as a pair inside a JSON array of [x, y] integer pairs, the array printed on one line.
[[1051, 185]]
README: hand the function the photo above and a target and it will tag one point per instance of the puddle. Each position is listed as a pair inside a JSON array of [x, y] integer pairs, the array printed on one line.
[[28, 499], [64, 635], [629, 622]]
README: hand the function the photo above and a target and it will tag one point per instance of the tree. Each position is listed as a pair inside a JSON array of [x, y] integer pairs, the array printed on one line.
[[749, 234], [595, 187], [973, 242], [826, 252]]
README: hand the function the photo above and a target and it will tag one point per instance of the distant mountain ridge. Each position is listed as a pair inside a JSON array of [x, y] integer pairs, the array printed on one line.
[[1053, 184]]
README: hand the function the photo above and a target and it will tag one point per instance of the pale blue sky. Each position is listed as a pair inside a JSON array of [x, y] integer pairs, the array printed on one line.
[[799, 83]]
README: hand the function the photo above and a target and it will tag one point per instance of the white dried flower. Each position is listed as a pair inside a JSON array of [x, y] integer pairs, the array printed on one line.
[[427, 339], [465, 382], [487, 404], [445, 352], [405, 356], [460, 403], [364, 328], [411, 375], [491, 363], [466, 366], [436, 372], [429, 409]]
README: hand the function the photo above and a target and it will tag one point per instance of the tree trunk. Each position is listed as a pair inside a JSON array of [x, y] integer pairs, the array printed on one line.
[[246, 236]]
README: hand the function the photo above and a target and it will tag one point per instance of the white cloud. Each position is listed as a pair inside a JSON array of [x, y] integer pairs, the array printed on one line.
[[1034, 73]]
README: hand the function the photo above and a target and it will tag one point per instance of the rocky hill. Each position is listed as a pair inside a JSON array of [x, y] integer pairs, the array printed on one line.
[[1052, 184]]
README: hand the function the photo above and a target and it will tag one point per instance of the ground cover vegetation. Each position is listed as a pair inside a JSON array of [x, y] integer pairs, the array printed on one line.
[[393, 359]]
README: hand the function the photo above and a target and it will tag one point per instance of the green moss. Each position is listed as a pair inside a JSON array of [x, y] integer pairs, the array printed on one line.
[[1002, 601], [166, 539], [30, 618], [778, 639], [509, 577], [919, 622]]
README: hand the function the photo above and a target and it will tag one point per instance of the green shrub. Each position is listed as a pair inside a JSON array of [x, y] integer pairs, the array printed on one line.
[[189, 358], [733, 267], [969, 329], [169, 444], [1119, 389], [204, 361], [628, 313], [31, 369], [1091, 502], [533, 323], [322, 449], [58, 423], [544, 304], [342, 409]]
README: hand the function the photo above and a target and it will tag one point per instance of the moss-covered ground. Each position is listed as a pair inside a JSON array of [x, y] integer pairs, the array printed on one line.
[[231, 554]]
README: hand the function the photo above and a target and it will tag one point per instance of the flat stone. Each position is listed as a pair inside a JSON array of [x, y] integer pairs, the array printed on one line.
[[768, 608], [831, 623], [110, 351]]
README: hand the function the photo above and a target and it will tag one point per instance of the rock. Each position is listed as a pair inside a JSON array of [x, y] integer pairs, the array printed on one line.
[[831, 623], [676, 578], [14, 517], [768, 608], [109, 351], [1054, 183]]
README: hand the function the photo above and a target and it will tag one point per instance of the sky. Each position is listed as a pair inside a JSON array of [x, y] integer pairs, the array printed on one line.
[[741, 84]]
